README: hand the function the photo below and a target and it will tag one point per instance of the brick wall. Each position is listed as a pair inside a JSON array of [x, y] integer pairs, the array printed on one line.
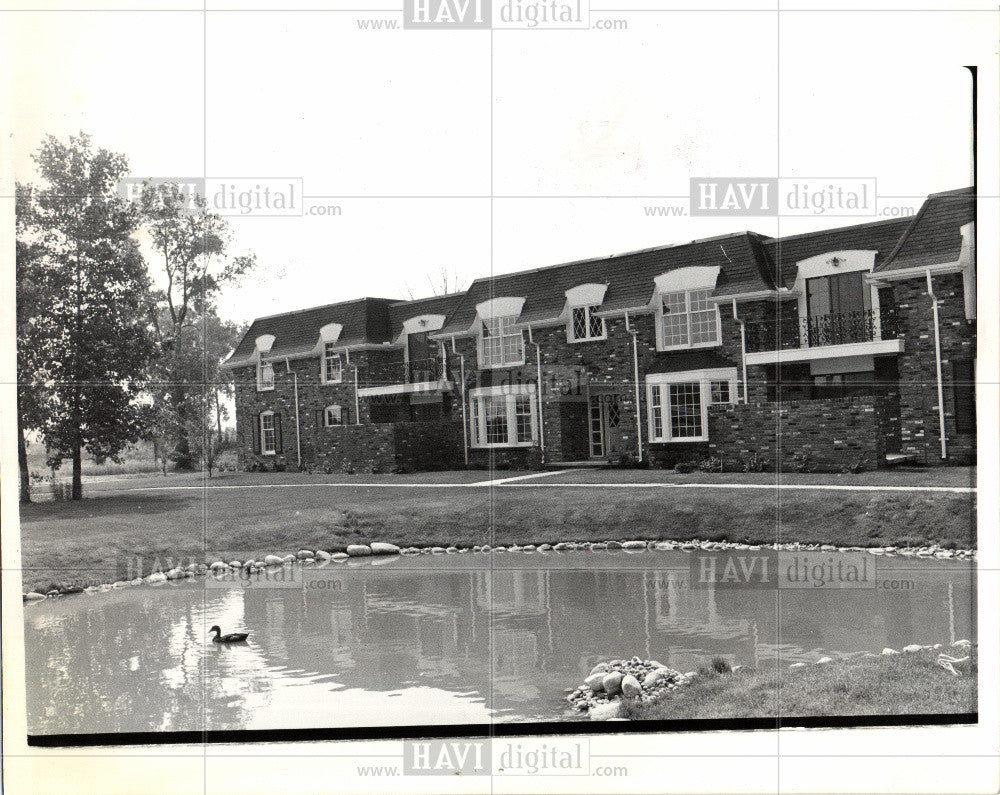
[[828, 434], [920, 426]]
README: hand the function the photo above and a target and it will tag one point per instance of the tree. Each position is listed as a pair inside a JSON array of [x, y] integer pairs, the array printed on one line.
[[444, 282], [30, 292], [89, 342], [192, 243]]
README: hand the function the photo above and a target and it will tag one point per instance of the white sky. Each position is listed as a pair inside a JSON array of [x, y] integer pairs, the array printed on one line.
[[575, 114]]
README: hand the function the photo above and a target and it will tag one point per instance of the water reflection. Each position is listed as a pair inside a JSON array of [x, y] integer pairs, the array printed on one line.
[[438, 640]]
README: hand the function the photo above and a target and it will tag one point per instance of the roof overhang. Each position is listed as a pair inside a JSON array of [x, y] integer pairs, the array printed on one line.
[[406, 389], [917, 272]]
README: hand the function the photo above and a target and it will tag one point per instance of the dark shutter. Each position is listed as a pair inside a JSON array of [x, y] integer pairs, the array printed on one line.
[[345, 415], [319, 418], [277, 434], [255, 425], [963, 381]]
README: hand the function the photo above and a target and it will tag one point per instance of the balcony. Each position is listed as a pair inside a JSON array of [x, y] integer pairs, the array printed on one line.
[[388, 378], [822, 336]]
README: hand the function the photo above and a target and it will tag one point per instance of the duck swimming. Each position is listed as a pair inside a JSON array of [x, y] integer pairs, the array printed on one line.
[[232, 637]]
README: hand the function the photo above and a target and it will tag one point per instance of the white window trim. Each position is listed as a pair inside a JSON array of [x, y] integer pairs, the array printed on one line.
[[261, 386], [326, 416], [274, 431], [477, 416], [704, 378], [322, 367], [687, 305], [591, 309], [503, 365]]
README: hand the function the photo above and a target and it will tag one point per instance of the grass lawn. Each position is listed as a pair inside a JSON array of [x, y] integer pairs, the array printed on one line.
[[238, 515], [907, 684]]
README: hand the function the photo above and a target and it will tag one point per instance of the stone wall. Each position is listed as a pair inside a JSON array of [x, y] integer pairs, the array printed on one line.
[[807, 435]]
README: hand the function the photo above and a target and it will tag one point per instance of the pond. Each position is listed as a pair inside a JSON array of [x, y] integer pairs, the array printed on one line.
[[444, 639]]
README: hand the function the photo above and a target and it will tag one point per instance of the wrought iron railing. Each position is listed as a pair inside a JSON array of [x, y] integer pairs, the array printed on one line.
[[817, 331]]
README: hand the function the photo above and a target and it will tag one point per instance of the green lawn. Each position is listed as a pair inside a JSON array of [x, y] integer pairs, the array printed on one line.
[[906, 684], [235, 516]]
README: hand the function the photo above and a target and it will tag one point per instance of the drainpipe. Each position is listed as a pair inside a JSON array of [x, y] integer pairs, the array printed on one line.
[[743, 352], [635, 367], [295, 392], [937, 362], [465, 419], [538, 393]]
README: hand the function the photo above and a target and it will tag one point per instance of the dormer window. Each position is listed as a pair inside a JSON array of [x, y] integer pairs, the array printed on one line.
[[586, 324], [688, 319], [265, 376], [501, 344], [332, 366]]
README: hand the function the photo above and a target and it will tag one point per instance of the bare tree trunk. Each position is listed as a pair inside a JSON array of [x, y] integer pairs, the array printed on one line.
[[22, 462], [77, 470], [218, 417]]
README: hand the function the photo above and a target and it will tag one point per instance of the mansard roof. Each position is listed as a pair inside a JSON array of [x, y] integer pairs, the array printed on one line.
[[934, 237], [741, 258]]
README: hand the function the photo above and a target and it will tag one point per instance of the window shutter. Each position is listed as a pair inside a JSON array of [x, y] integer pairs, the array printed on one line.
[[345, 416], [963, 381], [277, 434], [255, 424]]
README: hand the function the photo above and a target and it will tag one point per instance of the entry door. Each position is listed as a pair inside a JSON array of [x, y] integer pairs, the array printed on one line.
[[598, 425], [603, 414]]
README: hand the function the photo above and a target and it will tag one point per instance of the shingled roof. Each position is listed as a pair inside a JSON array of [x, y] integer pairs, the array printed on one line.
[[629, 278], [934, 237], [879, 236], [404, 310], [364, 320]]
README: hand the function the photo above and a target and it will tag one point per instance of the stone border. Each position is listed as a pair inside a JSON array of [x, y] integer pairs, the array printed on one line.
[[378, 548], [599, 701]]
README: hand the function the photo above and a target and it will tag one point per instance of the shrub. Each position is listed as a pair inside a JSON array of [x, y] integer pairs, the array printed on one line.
[[711, 464], [685, 467], [753, 463]]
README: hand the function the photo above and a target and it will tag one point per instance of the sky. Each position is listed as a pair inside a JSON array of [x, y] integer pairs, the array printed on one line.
[[479, 152]]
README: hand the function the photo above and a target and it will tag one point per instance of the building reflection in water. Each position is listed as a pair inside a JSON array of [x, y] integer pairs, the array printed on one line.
[[442, 641]]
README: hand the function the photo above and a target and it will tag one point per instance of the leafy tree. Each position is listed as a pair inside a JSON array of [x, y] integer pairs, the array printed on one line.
[[30, 291], [192, 243], [89, 344]]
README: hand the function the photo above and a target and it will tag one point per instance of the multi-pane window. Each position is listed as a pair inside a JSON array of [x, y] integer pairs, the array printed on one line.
[[678, 402], [268, 435], [587, 324], [685, 411], [500, 419], [688, 319], [265, 376], [332, 367], [333, 416], [720, 392], [502, 345]]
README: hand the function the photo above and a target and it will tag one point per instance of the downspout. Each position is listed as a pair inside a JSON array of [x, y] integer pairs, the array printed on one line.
[[743, 352], [295, 392], [635, 366], [538, 393], [465, 419], [937, 362]]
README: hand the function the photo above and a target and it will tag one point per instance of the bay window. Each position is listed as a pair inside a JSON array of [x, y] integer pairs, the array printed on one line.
[[503, 416], [678, 402], [687, 319], [501, 344]]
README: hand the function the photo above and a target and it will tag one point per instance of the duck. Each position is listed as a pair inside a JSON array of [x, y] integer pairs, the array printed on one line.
[[232, 637]]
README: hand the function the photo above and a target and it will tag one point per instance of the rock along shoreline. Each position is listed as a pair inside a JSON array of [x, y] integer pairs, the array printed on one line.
[[306, 557]]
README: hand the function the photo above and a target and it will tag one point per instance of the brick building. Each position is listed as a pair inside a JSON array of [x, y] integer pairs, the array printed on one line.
[[851, 347]]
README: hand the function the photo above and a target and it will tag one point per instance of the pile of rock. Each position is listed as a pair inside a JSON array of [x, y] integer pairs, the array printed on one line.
[[635, 679]]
